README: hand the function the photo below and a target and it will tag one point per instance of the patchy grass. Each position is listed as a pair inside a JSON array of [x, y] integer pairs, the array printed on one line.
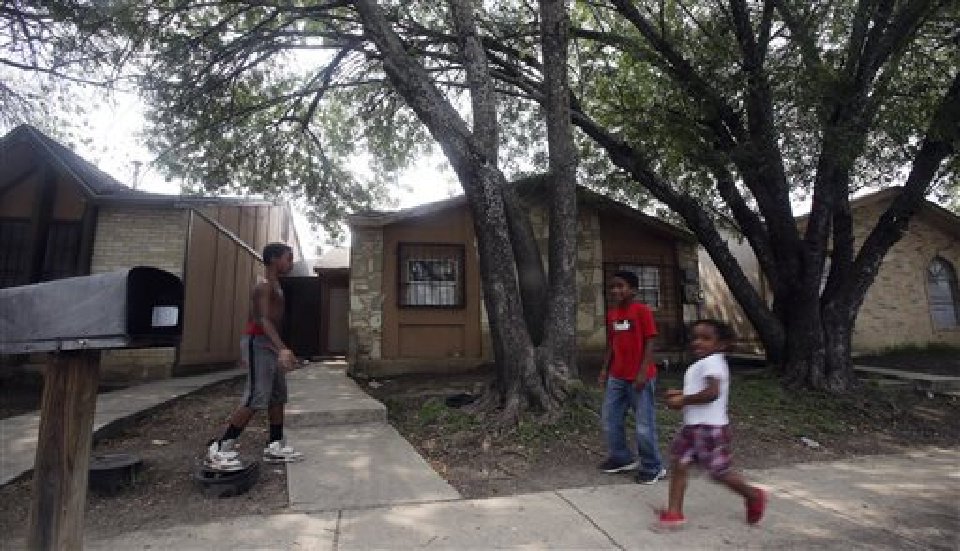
[[481, 459]]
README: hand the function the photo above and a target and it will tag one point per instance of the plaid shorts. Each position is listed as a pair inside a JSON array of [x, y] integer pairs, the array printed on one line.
[[707, 445]]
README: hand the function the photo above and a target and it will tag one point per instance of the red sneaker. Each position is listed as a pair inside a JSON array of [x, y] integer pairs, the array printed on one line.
[[669, 519], [756, 506]]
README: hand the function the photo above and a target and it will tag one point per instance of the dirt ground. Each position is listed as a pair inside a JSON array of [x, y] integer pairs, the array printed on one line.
[[768, 424], [170, 440]]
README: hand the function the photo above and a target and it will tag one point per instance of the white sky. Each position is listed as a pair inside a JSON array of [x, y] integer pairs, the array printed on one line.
[[114, 145]]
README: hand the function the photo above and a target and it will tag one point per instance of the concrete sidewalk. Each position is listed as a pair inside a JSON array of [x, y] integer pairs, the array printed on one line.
[[18, 435], [352, 457], [884, 502]]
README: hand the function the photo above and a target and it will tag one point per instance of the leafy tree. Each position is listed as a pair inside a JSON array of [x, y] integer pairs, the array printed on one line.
[[724, 112], [51, 51]]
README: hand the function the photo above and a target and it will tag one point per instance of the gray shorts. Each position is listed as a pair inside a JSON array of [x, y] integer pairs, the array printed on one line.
[[266, 382]]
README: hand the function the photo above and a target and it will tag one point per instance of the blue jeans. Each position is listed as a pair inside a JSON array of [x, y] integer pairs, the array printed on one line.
[[618, 397]]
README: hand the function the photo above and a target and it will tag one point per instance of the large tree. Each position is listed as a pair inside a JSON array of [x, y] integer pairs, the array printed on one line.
[[723, 112], [756, 100], [727, 112], [51, 51], [233, 108]]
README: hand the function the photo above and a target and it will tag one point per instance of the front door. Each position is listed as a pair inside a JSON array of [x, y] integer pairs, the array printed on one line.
[[338, 320], [302, 320]]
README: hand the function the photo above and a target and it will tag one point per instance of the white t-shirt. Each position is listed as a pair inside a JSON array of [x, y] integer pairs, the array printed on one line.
[[694, 380]]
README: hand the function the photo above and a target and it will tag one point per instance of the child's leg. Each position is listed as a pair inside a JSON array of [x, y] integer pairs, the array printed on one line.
[[275, 415], [678, 486], [241, 417], [646, 429], [735, 482], [616, 401]]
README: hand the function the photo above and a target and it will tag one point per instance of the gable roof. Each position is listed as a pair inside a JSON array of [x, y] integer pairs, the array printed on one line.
[[534, 189], [97, 185], [941, 217]]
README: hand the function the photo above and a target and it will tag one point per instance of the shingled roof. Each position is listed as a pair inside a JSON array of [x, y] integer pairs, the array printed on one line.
[[25, 147]]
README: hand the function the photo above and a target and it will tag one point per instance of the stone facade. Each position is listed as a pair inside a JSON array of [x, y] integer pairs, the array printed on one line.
[[896, 310], [127, 237], [366, 295]]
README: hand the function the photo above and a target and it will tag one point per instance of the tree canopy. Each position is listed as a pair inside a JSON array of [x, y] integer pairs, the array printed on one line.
[[724, 112]]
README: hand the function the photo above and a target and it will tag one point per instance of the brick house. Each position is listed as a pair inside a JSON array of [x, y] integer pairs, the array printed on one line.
[[414, 287], [60, 217], [914, 299]]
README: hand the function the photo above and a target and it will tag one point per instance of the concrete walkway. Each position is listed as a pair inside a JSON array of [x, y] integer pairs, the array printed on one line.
[[353, 458], [18, 435], [884, 502]]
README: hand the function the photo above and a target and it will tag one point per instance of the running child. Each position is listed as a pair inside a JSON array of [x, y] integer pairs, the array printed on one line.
[[705, 436]]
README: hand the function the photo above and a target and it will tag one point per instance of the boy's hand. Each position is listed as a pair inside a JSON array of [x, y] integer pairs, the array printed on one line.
[[602, 377], [674, 399], [641, 380], [286, 360]]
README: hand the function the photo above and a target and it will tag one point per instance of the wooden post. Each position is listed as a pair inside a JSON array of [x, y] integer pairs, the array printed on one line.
[[63, 450]]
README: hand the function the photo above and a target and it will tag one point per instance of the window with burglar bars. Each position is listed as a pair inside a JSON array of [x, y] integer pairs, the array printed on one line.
[[430, 275], [649, 290], [14, 257]]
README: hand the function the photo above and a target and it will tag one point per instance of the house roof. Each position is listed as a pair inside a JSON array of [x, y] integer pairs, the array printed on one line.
[[943, 218], [97, 185], [531, 189]]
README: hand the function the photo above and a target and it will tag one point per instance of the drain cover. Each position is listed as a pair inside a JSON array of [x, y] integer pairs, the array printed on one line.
[[110, 472], [215, 483]]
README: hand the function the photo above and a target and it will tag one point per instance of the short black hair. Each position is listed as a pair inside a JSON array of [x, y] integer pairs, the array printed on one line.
[[273, 251], [723, 330], [631, 278]]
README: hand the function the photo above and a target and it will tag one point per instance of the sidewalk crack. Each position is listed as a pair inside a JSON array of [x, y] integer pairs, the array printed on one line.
[[591, 521]]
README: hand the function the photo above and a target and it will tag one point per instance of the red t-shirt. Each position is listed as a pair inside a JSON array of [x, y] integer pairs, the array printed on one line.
[[628, 328]]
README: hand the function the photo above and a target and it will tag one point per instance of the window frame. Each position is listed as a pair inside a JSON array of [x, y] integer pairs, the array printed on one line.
[[640, 289], [950, 274], [457, 258]]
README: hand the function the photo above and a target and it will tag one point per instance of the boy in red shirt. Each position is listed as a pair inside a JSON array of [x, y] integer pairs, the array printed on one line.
[[629, 376]]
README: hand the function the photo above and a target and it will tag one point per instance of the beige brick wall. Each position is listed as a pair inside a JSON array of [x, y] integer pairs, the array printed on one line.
[[895, 310], [135, 236], [366, 295]]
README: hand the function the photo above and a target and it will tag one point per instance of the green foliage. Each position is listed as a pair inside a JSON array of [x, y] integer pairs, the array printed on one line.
[[434, 412], [54, 54], [624, 86]]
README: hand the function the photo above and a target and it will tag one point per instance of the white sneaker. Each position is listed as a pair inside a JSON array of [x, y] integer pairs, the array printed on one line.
[[278, 452], [221, 457]]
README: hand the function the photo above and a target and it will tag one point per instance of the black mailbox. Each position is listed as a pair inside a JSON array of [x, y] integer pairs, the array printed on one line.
[[139, 307]]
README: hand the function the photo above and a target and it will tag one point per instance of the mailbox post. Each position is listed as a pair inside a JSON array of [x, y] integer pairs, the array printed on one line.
[[72, 320]]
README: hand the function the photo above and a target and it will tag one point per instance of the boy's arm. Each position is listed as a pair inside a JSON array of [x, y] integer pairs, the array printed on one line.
[[648, 349], [705, 396], [607, 358]]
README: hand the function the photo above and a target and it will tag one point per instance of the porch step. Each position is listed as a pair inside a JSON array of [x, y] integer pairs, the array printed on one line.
[[940, 384], [322, 395]]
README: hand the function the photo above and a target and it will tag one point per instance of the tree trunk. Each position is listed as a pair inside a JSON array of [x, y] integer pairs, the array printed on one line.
[[527, 376]]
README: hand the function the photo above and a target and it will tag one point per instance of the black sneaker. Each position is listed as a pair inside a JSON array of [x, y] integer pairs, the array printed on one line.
[[611, 466], [651, 478]]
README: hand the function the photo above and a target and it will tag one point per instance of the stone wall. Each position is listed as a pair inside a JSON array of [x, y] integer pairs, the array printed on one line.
[[895, 310], [128, 237], [366, 296]]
